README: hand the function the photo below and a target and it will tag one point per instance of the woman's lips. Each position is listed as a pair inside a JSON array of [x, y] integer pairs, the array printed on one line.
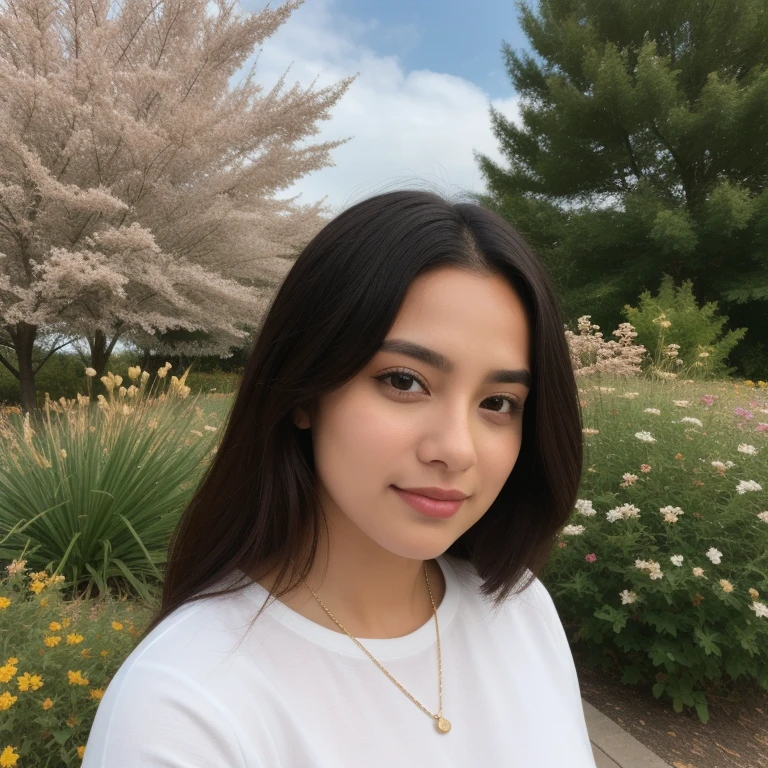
[[427, 506]]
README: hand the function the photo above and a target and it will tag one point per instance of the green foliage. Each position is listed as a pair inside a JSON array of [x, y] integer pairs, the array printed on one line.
[[640, 152], [685, 631], [62, 375], [57, 658], [95, 490], [697, 330]]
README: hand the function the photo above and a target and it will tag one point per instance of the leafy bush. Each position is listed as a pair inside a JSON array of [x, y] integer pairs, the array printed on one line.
[[664, 569], [56, 659], [674, 319], [96, 489]]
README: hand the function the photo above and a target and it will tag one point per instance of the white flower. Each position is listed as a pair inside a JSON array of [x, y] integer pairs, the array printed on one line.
[[744, 448], [622, 512], [573, 530], [631, 395], [628, 479], [759, 608], [763, 516], [714, 555], [677, 560], [584, 507], [681, 403], [748, 485], [655, 411], [718, 465], [653, 568], [646, 437], [729, 464], [671, 514], [627, 596], [692, 420], [698, 571]]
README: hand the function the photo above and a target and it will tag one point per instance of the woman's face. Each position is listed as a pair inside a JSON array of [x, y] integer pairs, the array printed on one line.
[[423, 427]]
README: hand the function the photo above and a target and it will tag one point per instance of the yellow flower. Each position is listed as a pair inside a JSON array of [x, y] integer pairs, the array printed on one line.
[[7, 701], [37, 587], [117, 625], [8, 757], [52, 640], [749, 383], [104, 653], [86, 653], [74, 639], [7, 672], [726, 585], [76, 678], [65, 622], [54, 625], [753, 593], [81, 751], [97, 693], [13, 660], [27, 681], [44, 602], [47, 704], [4, 602]]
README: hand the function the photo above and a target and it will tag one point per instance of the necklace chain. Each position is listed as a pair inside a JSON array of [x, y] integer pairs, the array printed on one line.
[[442, 724]]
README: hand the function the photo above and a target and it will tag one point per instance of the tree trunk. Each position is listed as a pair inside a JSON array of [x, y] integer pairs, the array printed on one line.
[[101, 351], [23, 336]]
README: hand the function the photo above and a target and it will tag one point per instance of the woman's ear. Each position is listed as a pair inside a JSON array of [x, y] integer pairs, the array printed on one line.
[[301, 417]]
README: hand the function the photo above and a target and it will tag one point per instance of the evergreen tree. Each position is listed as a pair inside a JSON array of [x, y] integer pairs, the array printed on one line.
[[643, 149]]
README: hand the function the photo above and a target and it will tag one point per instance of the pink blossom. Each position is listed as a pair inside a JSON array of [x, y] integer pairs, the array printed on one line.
[[591, 557], [708, 399], [761, 427]]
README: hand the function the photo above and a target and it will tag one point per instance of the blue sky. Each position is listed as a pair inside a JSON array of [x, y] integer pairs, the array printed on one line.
[[419, 108], [459, 38]]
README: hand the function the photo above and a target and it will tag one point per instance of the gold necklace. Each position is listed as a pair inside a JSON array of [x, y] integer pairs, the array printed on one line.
[[443, 726]]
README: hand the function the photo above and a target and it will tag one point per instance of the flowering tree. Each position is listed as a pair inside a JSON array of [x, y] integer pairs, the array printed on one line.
[[137, 173]]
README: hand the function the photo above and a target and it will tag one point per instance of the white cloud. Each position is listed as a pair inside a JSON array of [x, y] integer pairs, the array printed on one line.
[[413, 129]]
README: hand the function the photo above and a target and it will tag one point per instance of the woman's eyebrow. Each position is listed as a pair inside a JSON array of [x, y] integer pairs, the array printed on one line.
[[444, 365]]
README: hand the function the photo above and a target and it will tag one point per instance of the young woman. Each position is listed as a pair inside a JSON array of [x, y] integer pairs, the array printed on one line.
[[355, 581]]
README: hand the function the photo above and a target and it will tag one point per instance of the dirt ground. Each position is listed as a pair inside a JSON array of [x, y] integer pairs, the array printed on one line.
[[736, 735]]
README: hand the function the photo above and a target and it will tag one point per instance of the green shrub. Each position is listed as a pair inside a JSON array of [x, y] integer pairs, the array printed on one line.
[[670, 490], [96, 489], [56, 659], [674, 317]]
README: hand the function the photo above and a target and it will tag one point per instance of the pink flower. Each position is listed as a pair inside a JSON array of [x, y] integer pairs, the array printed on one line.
[[708, 399], [645, 468], [761, 427], [591, 557]]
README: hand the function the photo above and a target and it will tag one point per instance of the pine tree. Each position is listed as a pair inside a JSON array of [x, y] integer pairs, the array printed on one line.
[[643, 149], [139, 163]]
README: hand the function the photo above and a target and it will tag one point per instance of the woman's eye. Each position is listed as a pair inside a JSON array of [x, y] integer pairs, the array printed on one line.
[[398, 377], [401, 378]]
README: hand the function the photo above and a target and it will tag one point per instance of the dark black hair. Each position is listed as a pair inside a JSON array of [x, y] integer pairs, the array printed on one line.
[[256, 504]]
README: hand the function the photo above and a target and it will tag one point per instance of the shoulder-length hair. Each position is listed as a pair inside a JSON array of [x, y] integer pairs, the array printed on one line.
[[257, 503]]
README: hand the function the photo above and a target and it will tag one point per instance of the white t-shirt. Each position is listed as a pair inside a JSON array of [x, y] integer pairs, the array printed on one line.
[[296, 694]]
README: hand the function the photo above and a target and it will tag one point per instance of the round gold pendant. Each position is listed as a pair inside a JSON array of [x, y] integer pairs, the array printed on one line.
[[443, 725]]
